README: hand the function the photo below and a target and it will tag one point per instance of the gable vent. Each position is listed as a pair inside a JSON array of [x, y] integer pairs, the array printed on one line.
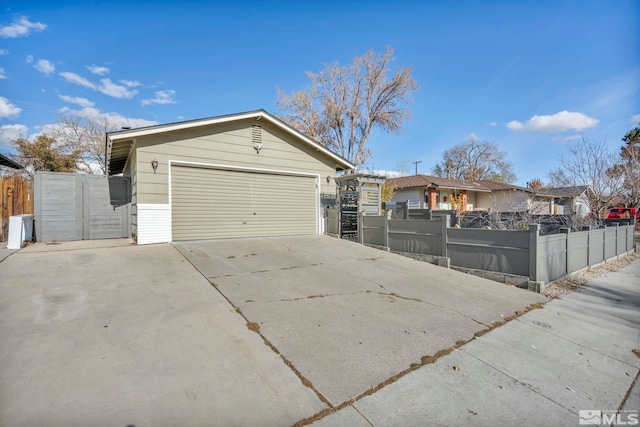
[[256, 134]]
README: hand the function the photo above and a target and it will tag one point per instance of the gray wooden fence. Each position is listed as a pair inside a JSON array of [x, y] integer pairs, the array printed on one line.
[[77, 207], [523, 253]]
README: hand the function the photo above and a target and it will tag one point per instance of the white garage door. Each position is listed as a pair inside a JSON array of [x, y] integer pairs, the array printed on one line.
[[215, 203]]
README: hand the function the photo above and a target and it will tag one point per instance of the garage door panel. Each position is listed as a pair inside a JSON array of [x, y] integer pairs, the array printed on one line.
[[216, 203]]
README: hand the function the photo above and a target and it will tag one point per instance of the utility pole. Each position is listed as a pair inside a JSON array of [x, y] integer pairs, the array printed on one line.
[[416, 163]]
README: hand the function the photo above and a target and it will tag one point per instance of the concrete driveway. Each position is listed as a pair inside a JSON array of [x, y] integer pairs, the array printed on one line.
[[348, 317], [106, 333], [110, 333]]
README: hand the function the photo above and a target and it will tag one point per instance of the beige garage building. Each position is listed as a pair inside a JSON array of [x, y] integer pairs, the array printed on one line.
[[239, 175]]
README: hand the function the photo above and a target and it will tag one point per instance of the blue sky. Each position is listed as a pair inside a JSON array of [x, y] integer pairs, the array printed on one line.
[[527, 76]]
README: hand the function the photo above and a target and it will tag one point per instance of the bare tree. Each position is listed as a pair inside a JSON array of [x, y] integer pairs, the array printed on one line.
[[343, 105], [86, 130], [588, 163], [473, 160], [627, 168], [402, 167]]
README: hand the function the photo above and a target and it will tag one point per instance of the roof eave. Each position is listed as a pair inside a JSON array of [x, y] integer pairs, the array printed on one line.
[[5, 161]]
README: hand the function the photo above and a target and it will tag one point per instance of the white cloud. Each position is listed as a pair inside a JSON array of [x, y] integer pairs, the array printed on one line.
[[2, 74], [21, 27], [83, 102], [4, 52], [115, 90], [492, 124], [95, 69], [131, 83], [635, 119], [106, 86], [29, 59], [162, 97], [11, 132], [559, 122], [7, 109], [44, 66], [114, 119], [76, 79]]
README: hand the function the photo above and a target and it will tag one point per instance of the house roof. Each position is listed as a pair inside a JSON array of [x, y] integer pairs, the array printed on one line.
[[434, 181], [494, 185], [567, 192], [5, 161], [119, 143]]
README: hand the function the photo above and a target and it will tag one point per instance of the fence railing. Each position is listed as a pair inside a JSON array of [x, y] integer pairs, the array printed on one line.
[[523, 253]]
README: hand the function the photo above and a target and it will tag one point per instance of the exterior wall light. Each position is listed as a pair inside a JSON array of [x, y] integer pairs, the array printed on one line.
[[257, 146], [154, 165]]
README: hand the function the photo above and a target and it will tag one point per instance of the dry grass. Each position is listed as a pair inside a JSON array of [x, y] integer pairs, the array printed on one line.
[[580, 279]]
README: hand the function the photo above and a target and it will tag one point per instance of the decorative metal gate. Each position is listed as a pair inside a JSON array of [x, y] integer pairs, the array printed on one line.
[[357, 194]]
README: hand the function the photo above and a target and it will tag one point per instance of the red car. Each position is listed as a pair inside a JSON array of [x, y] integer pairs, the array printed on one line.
[[617, 213]]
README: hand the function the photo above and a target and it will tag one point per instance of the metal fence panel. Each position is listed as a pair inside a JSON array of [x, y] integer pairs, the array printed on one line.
[[58, 206], [596, 246], [101, 219], [506, 238], [331, 218], [610, 242], [552, 257], [418, 237], [491, 250], [621, 240], [577, 251], [76, 207], [373, 230]]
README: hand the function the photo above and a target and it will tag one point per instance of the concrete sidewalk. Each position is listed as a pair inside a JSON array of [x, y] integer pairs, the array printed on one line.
[[575, 354]]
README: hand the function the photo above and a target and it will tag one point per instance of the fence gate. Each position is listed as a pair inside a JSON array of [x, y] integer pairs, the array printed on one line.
[[357, 194], [16, 198], [77, 207]]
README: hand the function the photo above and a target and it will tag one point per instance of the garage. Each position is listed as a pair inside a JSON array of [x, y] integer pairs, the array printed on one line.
[[213, 203], [233, 176]]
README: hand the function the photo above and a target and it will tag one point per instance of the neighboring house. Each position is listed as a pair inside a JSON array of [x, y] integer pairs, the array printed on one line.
[[238, 175], [7, 162], [569, 200], [513, 198], [431, 192]]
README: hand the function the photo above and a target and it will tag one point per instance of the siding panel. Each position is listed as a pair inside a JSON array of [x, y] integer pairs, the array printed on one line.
[[154, 223]]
